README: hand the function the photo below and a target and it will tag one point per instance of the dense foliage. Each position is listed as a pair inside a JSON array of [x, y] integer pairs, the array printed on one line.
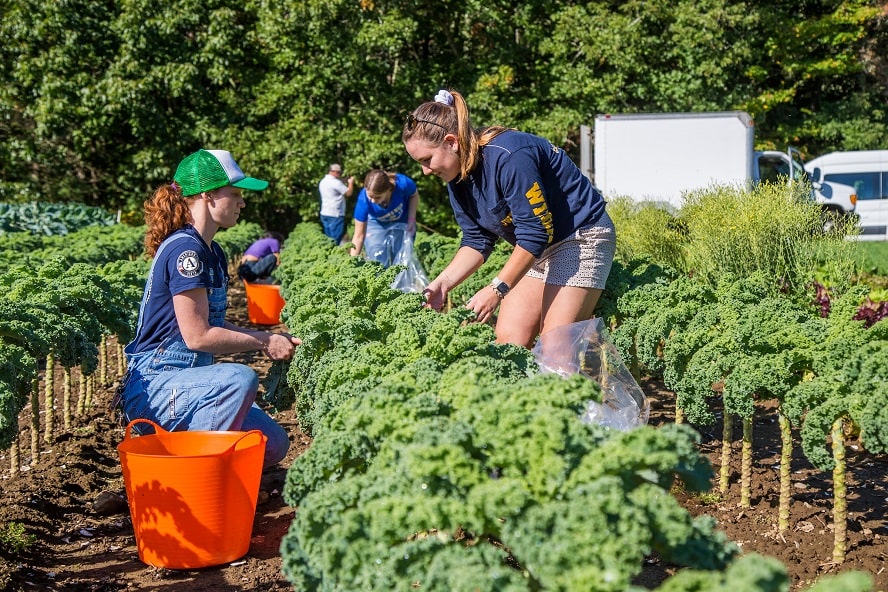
[[92, 244], [59, 312], [748, 322], [51, 219], [100, 100], [443, 461], [769, 230], [422, 469], [440, 458]]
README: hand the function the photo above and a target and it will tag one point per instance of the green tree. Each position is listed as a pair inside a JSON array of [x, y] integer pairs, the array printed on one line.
[[820, 79], [52, 57], [647, 56], [100, 100], [346, 73]]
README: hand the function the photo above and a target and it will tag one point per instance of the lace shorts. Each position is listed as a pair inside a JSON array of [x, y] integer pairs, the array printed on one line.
[[582, 260]]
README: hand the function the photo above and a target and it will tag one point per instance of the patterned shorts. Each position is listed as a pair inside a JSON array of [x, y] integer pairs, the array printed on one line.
[[582, 260]]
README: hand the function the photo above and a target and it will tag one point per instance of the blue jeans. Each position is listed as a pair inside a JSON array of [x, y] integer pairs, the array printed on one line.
[[181, 389], [334, 227], [251, 271]]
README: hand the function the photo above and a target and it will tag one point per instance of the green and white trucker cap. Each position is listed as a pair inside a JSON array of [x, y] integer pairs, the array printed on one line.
[[206, 170]]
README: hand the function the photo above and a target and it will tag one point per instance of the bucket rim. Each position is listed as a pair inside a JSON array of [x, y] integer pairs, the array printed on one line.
[[159, 431]]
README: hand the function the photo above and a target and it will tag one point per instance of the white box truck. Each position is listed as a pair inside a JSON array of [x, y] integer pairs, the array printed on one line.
[[661, 156]]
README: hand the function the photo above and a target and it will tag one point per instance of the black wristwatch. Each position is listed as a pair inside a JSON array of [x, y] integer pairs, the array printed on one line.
[[500, 287]]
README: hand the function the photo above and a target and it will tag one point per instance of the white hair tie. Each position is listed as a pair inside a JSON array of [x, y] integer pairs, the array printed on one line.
[[444, 97]]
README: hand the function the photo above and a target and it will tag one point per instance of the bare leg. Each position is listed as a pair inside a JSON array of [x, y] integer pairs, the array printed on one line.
[[520, 313], [563, 305], [533, 308]]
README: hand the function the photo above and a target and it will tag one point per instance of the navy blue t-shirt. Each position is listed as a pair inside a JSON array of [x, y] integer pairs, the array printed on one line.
[[526, 191], [183, 262]]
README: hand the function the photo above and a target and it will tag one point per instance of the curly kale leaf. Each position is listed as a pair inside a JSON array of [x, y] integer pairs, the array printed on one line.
[[17, 369], [625, 277], [275, 391], [750, 573], [658, 311], [349, 436], [451, 336], [873, 420]]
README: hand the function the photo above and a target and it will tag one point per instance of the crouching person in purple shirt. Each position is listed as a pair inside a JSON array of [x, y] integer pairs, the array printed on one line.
[[261, 258]]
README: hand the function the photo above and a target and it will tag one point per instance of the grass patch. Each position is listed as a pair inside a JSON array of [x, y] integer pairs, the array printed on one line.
[[710, 498], [15, 539], [872, 257], [769, 230], [646, 230], [726, 229]]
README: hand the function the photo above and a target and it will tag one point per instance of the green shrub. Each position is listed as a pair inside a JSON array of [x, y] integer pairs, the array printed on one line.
[[768, 229], [14, 539], [645, 230]]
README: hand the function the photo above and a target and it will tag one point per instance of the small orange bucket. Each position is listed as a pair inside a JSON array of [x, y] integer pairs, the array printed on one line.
[[264, 303], [192, 495]]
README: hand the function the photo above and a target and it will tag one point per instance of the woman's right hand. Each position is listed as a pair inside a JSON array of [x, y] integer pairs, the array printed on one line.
[[281, 346], [435, 295]]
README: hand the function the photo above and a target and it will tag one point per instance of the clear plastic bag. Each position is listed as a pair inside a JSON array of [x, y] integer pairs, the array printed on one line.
[[384, 243], [585, 347], [413, 278]]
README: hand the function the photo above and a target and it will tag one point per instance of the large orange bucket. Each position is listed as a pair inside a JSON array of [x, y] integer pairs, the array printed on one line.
[[264, 303], [192, 495]]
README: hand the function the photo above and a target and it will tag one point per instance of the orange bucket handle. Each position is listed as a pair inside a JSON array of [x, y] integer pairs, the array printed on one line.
[[247, 435], [127, 434]]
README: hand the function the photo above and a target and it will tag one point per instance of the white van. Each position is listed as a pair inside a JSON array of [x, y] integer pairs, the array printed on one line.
[[867, 172]]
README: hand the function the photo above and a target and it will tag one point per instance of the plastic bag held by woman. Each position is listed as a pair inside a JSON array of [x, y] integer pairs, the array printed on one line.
[[586, 348]]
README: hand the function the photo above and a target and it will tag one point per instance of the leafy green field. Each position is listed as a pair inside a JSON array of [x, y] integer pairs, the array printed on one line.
[[873, 257]]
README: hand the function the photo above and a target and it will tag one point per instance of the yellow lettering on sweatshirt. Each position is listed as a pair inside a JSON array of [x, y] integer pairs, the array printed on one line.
[[537, 201]]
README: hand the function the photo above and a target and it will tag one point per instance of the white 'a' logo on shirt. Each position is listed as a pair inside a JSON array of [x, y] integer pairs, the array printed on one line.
[[189, 264]]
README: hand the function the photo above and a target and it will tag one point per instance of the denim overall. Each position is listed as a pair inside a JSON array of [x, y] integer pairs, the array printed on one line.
[[182, 389]]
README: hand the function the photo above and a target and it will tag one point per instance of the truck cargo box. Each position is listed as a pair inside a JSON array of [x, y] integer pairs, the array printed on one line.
[[660, 156]]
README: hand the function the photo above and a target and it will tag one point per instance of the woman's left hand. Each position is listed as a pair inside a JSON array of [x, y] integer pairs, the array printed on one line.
[[484, 303]]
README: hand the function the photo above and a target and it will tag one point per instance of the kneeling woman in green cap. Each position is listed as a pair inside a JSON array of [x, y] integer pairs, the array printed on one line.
[[172, 378]]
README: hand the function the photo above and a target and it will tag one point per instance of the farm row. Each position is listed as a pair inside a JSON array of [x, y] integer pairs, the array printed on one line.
[[434, 449], [436, 452]]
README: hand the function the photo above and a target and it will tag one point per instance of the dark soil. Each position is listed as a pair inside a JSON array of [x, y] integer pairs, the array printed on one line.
[[81, 545]]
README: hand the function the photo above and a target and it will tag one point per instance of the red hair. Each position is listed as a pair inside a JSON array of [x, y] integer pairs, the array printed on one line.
[[166, 211]]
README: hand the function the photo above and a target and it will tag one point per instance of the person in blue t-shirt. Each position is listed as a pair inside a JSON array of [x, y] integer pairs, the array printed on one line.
[[507, 184], [172, 379], [385, 210]]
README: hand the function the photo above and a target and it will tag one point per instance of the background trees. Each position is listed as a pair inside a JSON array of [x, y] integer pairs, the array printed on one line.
[[100, 100]]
